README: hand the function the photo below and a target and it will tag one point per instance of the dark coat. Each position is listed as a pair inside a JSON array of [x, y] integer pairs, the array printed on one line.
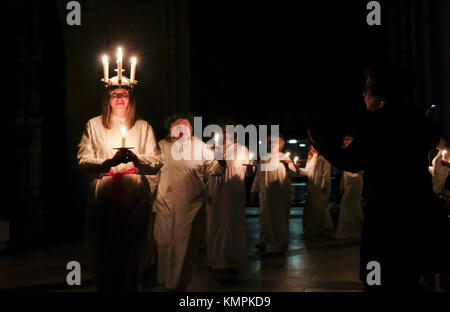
[[406, 227]]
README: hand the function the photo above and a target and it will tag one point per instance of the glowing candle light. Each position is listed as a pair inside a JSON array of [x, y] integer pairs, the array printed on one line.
[[119, 64], [287, 154], [133, 69], [250, 156], [444, 155], [295, 159], [105, 68], [216, 138], [124, 135]]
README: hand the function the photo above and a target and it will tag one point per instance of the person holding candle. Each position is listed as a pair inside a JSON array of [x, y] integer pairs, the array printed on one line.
[[119, 203], [188, 165], [350, 215], [316, 215], [274, 189], [439, 172], [225, 213]]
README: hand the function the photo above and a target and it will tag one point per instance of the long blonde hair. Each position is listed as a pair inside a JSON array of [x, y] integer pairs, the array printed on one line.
[[106, 110]]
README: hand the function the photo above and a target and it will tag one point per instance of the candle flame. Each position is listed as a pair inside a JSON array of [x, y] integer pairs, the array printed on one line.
[[105, 59], [119, 54], [250, 155], [124, 131], [295, 159], [287, 154], [133, 61]]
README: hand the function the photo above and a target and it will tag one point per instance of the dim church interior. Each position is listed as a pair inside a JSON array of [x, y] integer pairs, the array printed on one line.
[[188, 70], [305, 267]]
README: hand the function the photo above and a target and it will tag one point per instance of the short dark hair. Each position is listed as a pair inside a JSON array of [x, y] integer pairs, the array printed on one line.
[[390, 83], [172, 118]]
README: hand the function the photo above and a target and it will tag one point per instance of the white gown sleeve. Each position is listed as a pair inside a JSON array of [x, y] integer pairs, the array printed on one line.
[[255, 188], [326, 174], [152, 160], [293, 171], [307, 171], [244, 156], [211, 167], [87, 160], [302, 172]]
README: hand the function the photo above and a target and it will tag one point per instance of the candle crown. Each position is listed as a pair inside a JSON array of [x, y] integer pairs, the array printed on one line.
[[119, 81]]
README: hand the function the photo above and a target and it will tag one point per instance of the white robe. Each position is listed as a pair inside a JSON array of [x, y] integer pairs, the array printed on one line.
[[350, 216], [439, 174], [95, 147], [316, 216], [274, 188], [180, 196], [225, 214]]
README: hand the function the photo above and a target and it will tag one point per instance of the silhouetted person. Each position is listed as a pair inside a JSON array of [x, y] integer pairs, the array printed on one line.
[[406, 226]]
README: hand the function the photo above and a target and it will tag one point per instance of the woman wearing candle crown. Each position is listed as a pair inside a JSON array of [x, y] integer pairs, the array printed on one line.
[[119, 210]]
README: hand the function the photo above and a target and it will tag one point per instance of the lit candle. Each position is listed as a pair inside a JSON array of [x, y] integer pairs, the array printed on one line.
[[250, 156], [105, 68], [287, 154], [216, 138], [133, 69], [119, 64], [124, 135], [295, 159], [444, 153]]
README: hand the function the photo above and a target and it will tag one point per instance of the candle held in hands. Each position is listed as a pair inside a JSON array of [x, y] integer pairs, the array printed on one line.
[[124, 135], [444, 155], [216, 138], [250, 156]]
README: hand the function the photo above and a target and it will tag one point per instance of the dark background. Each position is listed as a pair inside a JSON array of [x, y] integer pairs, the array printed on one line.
[[253, 62]]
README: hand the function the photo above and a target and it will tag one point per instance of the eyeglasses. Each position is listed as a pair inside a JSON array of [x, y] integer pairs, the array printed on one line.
[[119, 95]]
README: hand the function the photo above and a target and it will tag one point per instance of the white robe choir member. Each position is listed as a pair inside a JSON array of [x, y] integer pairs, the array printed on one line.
[[316, 216], [439, 174], [180, 196], [226, 225], [274, 188], [351, 215], [119, 204]]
